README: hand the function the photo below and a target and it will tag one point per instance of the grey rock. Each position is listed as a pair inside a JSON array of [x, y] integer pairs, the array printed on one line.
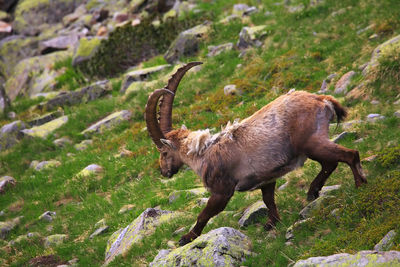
[[140, 75], [324, 87], [47, 164], [341, 136], [187, 43], [54, 240], [190, 192], [323, 200], [239, 9], [48, 216], [10, 134], [294, 227], [202, 201], [328, 189], [108, 122], [253, 213], [126, 208], [296, 9], [359, 140], [90, 170], [46, 129], [85, 95], [99, 231], [375, 102], [7, 226], [122, 240], [229, 19], [369, 27], [231, 89], [251, 36], [179, 231], [5, 182], [397, 102], [397, 113], [59, 43], [83, 145], [331, 77], [341, 86], [100, 223], [220, 247], [216, 50], [11, 115], [387, 242], [284, 186], [251, 10], [374, 117], [361, 259], [86, 49], [62, 142], [45, 118]]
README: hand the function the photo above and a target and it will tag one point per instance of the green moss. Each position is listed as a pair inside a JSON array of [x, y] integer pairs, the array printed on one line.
[[390, 157], [87, 47]]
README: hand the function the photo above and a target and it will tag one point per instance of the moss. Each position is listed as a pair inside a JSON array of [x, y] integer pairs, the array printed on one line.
[[87, 47], [44, 130], [389, 157]]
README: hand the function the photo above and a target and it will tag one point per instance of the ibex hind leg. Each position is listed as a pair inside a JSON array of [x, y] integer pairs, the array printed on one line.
[[268, 192], [329, 154]]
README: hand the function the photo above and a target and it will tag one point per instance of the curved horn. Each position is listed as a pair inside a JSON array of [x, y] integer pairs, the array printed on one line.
[[151, 116], [168, 99]]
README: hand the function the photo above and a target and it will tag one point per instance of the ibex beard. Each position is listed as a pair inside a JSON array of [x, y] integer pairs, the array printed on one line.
[[253, 153]]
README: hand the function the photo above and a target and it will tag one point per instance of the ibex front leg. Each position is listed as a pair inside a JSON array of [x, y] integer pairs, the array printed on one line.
[[216, 203]]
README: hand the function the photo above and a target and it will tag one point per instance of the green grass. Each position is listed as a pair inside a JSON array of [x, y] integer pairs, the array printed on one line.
[[300, 50]]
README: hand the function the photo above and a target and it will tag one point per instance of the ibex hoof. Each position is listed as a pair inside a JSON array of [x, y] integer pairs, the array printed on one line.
[[183, 241], [268, 227]]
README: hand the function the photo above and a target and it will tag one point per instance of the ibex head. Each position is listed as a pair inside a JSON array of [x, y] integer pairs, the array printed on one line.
[[160, 129]]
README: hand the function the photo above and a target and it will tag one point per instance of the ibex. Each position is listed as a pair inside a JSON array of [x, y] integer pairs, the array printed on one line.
[[253, 153]]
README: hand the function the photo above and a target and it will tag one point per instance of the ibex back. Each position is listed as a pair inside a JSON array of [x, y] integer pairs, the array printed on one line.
[[253, 153]]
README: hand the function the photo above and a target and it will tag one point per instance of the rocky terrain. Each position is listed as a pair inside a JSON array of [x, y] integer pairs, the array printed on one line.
[[79, 177]]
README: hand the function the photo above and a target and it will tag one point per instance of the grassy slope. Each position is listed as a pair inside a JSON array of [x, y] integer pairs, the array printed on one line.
[[300, 51]]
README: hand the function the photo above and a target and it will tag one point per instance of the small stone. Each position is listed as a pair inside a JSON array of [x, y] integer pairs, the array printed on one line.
[[179, 231], [90, 170], [335, 214], [54, 240], [331, 77], [120, 17], [48, 216], [251, 10], [171, 244], [397, 102], [284, 186], [99, 231], [102, 31], [108, 122], [5, 182], [328, 189], [363, 66], [216, 50], [239, 9], [375, 102], [11, 115], [387, 242], [47, 164], [191, 192], [229, 19], [253, 213], [370, 158], [45, 118], [83, 145], [251, 36], [397, 114], [202, 201], [290, 231], [231, 89], [62, 142], [373, 37], [100, 223], [359, 140], [315, 205], [7, 226], [126, 208], [341, 136], [324, 87], [343, 83], [374, 117]]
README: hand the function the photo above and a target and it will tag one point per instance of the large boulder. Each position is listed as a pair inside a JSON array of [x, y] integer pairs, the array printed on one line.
[[85, 50], [62, 42], [187, 42], [44, 130], [342, 85], [23, 80], [108, 122], [251, 36], [86, 94], [387, 241], [144, 225], [224, 246], [27, 20], [361, 259], [10, 134]]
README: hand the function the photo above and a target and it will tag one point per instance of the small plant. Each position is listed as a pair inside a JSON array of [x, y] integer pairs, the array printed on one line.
[[72, 78]]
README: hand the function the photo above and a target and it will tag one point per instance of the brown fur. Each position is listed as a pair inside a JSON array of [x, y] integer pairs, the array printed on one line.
[[253, 153]]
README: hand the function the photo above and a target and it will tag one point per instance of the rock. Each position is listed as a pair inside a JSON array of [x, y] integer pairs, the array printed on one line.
[[250, 36], [54, 240], [375, 102], [335, 214], [373, 117], [45, 118], [123, 239], [220, 247], [7, 226], [284, 186], [90, 170], [397, 102], [62, 142], [216, 50], [27, 20], [294, 227], [321, 201], [331, 77], [120, 17], [99, 231], [253, 213], [108, 122], [251, 10], [83, 145], [231, 89], [343, 83], [102, 31], [79, 12], [126, 208], [46, 96], [5, 182], [85, 95], [191, 192], [202, 201], [359, 140], [33, 164], [23, 238], [326, 190], [397, 114], [187, 42], [361, 259], [239, 9], [44, 130], [48, 216], [100, 223], [137, 86], [373, 37], [23, 80], [10, 134], [314, 3], [296, 9], [85, 50], [229, 19], [341, 136], [324, 87], [179, 231], [384, 50], [62, 42], [140, 75], [387, 242], [45, 165], [370, 158], [369, 27]]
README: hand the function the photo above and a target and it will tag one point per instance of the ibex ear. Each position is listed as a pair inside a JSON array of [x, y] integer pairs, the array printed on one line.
[[167, 143]]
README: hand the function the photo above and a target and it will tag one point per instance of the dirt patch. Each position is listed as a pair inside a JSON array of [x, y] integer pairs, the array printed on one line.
[[64, 201], [49, 260]]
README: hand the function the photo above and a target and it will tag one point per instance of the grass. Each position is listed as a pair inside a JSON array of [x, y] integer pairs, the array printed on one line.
[[300, 50]]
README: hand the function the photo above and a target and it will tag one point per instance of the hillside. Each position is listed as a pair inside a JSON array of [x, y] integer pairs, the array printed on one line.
[[68, 65]]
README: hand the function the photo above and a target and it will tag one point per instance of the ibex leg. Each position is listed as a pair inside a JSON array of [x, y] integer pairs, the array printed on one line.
[[319, 181], [268, 192]]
